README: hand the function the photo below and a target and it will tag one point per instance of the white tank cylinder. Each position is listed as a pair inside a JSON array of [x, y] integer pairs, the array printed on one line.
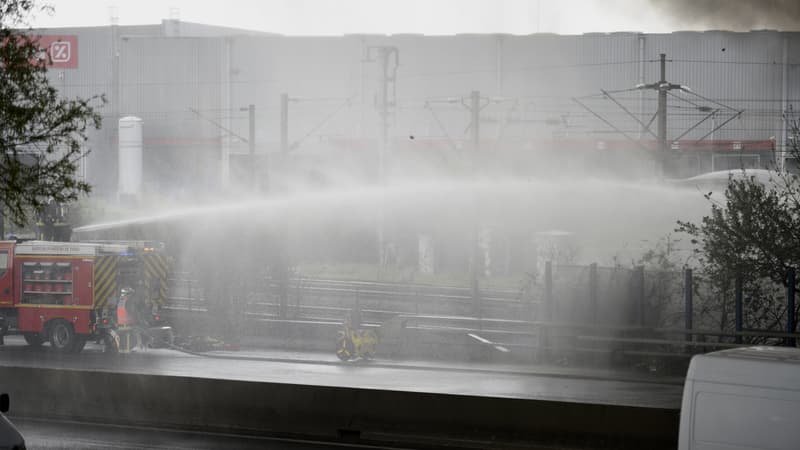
[[130, 157]]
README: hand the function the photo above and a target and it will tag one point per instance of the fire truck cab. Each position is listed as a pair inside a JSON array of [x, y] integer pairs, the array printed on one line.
[[68, 292]]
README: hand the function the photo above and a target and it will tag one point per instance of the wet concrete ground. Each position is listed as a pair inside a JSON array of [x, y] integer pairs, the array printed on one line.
[[525, 382]]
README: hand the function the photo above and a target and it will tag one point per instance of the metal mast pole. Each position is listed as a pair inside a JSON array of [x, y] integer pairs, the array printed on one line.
[[283, 244], [384, 136], [284, 124], [251, 143], [475, 109], [384, 112], [388, 74], [663, 87], [662, 109]]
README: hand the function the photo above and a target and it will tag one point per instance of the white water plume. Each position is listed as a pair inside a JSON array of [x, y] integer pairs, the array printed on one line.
[[603, 214]]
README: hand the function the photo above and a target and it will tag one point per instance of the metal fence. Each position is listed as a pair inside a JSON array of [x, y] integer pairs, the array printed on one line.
[[573, 309]]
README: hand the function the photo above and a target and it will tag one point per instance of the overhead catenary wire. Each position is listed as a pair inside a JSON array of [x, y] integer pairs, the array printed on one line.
[[218, 125], [526, 111], [680, 111], [709, 100], [321, 124], [742, 63], [450, 140]]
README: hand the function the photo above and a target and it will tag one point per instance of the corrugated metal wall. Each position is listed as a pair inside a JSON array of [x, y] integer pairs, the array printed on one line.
[[740, 70], [528, 84], [174, 86], [94, 76]]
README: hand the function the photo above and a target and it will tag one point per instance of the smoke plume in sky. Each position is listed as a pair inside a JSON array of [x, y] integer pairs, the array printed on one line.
[[737, 15]]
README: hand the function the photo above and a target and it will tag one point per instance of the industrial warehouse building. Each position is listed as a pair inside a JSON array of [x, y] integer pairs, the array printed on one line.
[[546, 101]]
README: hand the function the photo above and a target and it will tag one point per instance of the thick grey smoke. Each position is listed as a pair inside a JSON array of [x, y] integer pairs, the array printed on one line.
[[736, 15]]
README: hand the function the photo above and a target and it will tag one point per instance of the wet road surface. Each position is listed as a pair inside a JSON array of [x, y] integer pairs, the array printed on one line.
[[40, 434], [480, 379]]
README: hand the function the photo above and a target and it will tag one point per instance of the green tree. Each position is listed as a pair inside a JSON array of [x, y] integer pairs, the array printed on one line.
[[42, 135], [753, 232]]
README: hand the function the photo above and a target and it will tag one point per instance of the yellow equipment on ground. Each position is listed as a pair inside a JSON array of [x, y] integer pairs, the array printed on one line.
[[352, 343]]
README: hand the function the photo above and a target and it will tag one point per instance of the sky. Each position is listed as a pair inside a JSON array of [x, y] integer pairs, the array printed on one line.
[[332, 17]]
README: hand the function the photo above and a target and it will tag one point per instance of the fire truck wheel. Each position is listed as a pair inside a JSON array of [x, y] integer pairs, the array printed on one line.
[[33, 339], [62, 336]]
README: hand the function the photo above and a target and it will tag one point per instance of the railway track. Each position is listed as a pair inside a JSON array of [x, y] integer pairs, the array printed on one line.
[[324, 299]]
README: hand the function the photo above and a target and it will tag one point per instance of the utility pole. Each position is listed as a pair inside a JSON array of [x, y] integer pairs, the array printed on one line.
[[283, 241], [475, 109]]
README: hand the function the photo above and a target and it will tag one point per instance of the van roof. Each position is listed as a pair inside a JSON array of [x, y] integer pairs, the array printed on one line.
[[777, 367]]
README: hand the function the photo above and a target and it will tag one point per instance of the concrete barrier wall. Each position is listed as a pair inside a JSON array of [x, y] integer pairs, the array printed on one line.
[[327, 413]]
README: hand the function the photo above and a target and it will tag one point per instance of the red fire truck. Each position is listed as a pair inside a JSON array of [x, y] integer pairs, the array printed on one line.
[[69, 292]]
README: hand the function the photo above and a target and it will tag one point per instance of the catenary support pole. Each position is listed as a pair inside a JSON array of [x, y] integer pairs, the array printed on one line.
[[688, 306], [251, 143], [283, 244], [549, 312], [662, 115], [593, 293], [476, 260], [388, 61], [638, 294]]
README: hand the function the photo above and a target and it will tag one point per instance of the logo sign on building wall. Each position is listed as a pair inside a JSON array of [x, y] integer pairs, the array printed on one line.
[[63, 51]]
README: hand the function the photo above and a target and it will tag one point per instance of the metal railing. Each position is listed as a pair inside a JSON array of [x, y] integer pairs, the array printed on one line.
[[508, 317]]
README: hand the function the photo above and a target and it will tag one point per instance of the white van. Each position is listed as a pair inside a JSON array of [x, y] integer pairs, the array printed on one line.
[[744, 398], [10, 438]]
